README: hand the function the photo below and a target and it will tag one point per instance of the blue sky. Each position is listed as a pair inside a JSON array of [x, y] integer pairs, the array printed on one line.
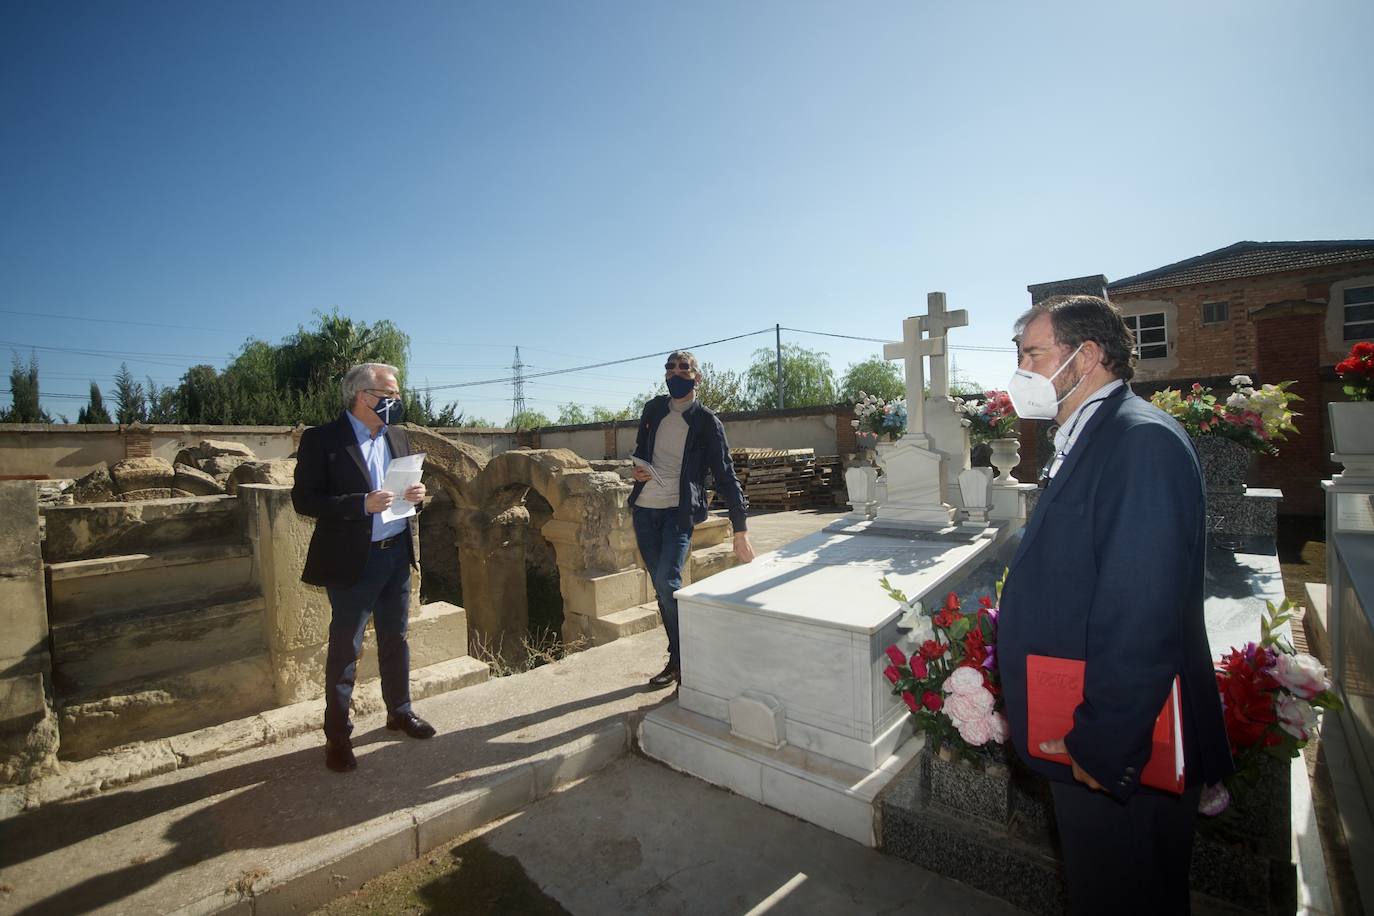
[[596, 180]]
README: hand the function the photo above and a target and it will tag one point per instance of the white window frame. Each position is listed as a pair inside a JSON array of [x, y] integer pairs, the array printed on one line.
[[1133, 322], [1365, 326]]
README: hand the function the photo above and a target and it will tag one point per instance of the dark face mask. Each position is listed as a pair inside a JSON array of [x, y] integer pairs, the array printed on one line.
[[680, 387], [389, 409]]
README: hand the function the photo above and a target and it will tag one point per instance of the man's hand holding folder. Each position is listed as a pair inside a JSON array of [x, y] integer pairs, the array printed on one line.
[[1054, 689]]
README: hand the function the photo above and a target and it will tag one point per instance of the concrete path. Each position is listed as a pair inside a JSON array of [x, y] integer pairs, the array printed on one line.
[[650, 840]]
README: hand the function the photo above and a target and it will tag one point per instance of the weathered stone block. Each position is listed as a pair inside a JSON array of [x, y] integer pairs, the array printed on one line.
[[133, 474], [95, 487], [215, 448], [277, 471], [194, 482], [83, 531], [221, 466]]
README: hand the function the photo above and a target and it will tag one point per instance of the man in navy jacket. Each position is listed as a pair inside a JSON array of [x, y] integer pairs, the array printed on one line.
[[680, 438], [1110, 570]]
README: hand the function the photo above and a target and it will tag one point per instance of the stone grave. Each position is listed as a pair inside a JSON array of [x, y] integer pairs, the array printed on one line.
[[783, 698]]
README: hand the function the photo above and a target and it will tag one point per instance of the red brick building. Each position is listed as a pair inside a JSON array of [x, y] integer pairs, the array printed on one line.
[[1270, 310]]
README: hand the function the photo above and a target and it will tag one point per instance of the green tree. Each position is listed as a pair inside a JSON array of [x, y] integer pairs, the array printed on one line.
[[421, 410], [875, 376], [200, 398], [807, 378], [95, 411], [24, 392], [162, 403], [131, 405], [529, 419], [572, 414], [721, 389], [607, 415]]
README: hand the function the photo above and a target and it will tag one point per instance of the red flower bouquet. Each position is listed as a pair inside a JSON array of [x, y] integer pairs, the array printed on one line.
[[949, 682], [1270, 694], [1357, 371]]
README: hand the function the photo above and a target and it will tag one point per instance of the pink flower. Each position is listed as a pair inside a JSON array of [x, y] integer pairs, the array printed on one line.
[[892, 674], [896, 655], [976, 732], [966, 707], [1302, 674], [1000, 729], [1297, 717], [963, 680], [1215, 799]]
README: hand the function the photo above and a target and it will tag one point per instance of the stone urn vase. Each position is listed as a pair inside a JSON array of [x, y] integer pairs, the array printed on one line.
[[1225, 463], [865, 441], [1352, 436], [1006, 455]]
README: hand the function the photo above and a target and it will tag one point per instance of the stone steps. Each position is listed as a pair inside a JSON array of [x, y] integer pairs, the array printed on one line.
[[709, 561], [624, 623], [437, 633], [158, 707], [167, 576], [91, 653]]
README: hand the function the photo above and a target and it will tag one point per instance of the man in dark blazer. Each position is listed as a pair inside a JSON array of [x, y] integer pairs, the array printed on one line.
[[361, 560], [1110, 570]]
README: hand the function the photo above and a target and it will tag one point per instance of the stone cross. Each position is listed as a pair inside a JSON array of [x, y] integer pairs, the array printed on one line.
[[937, 325], [913, 350]]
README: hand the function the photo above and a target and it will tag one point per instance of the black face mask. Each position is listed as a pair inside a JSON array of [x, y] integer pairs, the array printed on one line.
[[389, 409], [680, 387]]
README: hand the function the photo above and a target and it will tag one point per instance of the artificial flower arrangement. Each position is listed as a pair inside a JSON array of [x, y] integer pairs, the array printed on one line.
[[994, 417], [950, 684], [1356, 372], [1270, 694], [1255, 417], [884, 418]]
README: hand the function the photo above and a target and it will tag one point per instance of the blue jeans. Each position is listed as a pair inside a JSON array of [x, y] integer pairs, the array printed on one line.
[[383, 593], [664, 546]]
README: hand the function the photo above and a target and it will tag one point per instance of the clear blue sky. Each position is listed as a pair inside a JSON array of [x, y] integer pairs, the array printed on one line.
[[596, 180]]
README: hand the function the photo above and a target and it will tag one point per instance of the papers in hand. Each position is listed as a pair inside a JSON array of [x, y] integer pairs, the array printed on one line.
[[401, 474], [653, 471]]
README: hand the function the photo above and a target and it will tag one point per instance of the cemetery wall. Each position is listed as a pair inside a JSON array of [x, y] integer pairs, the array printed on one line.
[[74, 450], [825, 429]]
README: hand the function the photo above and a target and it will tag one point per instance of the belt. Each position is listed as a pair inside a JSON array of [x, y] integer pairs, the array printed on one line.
[[387, 543]]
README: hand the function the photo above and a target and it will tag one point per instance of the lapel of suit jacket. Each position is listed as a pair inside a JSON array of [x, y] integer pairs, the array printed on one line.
[[355, 451], [397, 442], [1071, 461]]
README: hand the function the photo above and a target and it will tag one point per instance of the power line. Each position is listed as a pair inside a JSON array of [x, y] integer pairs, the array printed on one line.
[[612, 362], [884, 341], [141, 324]]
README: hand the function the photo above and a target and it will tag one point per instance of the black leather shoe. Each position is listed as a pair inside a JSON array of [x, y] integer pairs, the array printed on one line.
[[411, 724], [666, 678], [338, 756]]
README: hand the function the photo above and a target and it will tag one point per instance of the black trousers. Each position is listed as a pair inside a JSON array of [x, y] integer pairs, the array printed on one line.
[[1126, 858]]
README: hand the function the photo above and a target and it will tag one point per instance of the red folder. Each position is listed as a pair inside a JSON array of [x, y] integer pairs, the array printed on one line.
[[1054, 689]]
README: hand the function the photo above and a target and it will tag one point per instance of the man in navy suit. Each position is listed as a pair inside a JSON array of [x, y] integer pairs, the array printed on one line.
[[1110, 570], [362, 561]]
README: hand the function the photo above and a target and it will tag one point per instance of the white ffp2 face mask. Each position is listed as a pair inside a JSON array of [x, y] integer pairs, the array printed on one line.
[[1033, 395]]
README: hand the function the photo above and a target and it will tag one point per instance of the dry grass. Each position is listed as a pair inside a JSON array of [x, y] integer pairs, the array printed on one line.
[[535, 651]]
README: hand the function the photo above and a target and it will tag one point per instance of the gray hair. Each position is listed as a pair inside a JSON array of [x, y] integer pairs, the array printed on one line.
[[361, 376]]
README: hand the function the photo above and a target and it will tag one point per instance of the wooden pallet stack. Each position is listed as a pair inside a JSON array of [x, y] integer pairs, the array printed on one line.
[[785, 478]]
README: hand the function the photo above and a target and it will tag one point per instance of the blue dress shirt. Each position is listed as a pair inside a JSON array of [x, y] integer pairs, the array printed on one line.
[[376, 455]]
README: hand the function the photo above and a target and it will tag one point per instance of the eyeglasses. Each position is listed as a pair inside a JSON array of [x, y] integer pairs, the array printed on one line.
[[382, 393], [684, 365]]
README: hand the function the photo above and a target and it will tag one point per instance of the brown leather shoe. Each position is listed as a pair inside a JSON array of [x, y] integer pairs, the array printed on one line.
[[338, 756], [669, 676]]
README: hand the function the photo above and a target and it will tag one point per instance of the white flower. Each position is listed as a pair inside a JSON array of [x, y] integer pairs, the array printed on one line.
[[1237, 401], [1241, 381], [918, 622], [1297, 717], [1302, 674], [963, 680]]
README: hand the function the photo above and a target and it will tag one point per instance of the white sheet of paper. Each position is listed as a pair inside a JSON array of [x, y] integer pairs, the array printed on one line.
[[653, 471], [401, 474]]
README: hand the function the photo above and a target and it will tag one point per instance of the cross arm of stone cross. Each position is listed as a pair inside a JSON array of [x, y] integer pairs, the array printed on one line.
[[913, 349], [938, 323]]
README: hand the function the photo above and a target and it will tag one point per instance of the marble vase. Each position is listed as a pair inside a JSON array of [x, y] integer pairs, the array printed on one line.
[[1006, 455], [1352, 436]]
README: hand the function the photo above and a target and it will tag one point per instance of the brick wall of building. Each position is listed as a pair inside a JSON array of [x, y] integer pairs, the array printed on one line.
[[1289, 347]]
